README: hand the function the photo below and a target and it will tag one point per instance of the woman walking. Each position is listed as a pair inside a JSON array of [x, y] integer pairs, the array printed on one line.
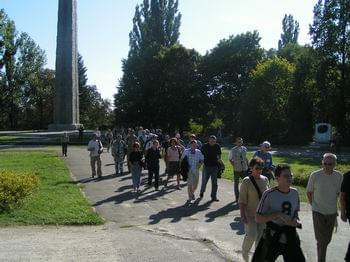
[[173, 157], [136, 166], [251, 190]]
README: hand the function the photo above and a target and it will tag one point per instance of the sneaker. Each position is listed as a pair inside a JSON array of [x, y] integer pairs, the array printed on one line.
[[93, 175], [214, 199], [201, 195]]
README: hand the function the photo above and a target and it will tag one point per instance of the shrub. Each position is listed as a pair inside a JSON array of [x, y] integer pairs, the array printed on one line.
[[14, 188]]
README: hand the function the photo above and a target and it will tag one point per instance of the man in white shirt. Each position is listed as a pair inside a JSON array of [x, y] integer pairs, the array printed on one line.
[[238, 158], [323, 189], [95, 147]]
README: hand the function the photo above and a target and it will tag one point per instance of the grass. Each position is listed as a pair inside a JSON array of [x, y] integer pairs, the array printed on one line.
[[58, 200], [301, 168], [8, 138]]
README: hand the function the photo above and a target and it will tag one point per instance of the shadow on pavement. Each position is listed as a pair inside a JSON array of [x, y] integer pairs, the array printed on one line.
[[177, 213], [222, 211], [117, 199], [238, 226]]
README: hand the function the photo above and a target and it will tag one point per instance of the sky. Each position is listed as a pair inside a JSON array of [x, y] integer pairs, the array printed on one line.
[[104, 26]]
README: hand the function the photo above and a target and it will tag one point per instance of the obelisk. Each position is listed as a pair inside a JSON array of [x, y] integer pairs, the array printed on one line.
[[66, 102]]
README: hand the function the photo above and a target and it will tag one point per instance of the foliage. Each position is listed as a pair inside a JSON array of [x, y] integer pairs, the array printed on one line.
[[225, 71], [58, 200], [160, 82], [330, 33], [290, 32], [15, 188], [94, 110], [265, 102], [195, 127], [25, 86], [156, 24], [154, 90]]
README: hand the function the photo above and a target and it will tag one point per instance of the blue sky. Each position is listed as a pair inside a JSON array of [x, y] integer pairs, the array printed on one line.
[[104, 26]]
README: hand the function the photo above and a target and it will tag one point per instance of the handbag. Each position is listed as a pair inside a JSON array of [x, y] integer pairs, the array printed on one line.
[[184, 168], [221, 167]]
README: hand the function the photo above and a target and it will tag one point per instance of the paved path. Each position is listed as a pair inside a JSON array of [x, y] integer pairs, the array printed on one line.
[[157, 226]]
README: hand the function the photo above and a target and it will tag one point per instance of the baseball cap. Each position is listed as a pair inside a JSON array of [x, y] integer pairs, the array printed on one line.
[[266, 144]]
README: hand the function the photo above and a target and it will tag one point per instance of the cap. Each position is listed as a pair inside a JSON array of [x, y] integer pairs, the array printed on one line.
[[266, 144]]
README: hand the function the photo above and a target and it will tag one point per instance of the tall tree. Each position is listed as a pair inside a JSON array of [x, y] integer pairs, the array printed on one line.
[[156, 23], [10, 97], [170, 85], [94, 110], [155, 31], [290, 31], [330, 33], [265, 102], [226, 72]]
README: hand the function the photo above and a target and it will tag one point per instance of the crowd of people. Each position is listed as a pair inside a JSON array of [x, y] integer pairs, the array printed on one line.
[[269, 214]]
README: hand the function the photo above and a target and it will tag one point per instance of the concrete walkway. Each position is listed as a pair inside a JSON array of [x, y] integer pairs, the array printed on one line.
[[157, 226]]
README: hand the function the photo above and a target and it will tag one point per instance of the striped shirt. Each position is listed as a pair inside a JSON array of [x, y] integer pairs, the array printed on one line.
[[275, 201]]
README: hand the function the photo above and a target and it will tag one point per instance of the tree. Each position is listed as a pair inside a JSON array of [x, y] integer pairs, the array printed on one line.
[[265, 102], [290, 31], [10, 98], [330, 33], [94, 110], [21, 62], [226, 72], [156, 23], [155, 31], [169, 93]]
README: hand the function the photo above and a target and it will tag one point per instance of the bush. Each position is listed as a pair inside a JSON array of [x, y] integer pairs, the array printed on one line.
[[14, 188]]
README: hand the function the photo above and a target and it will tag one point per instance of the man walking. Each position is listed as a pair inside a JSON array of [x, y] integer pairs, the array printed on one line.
[[278, 208], [266, 156], [345, 205], [152, 160], [212, 153], [238, 158], [95, 147], [118, 153], [323, 189]]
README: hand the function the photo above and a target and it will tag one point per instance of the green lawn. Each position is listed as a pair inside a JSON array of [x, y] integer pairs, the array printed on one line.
[[57, 201], [8, 138], [301, 168]]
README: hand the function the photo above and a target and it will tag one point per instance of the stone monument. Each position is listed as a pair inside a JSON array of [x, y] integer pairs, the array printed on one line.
[[66, 102]]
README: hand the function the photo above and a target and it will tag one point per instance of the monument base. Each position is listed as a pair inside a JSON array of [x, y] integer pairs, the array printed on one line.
[[63, 127]]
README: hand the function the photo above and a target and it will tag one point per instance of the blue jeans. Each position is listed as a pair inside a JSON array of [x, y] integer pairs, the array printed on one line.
[[136, 175], [212, 172]]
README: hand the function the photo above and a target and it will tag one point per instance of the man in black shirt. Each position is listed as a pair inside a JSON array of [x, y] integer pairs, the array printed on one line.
[[212, 153], [345, 205], [152, 160]]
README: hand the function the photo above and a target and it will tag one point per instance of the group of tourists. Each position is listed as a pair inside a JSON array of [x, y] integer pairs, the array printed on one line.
[[269, 214]]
